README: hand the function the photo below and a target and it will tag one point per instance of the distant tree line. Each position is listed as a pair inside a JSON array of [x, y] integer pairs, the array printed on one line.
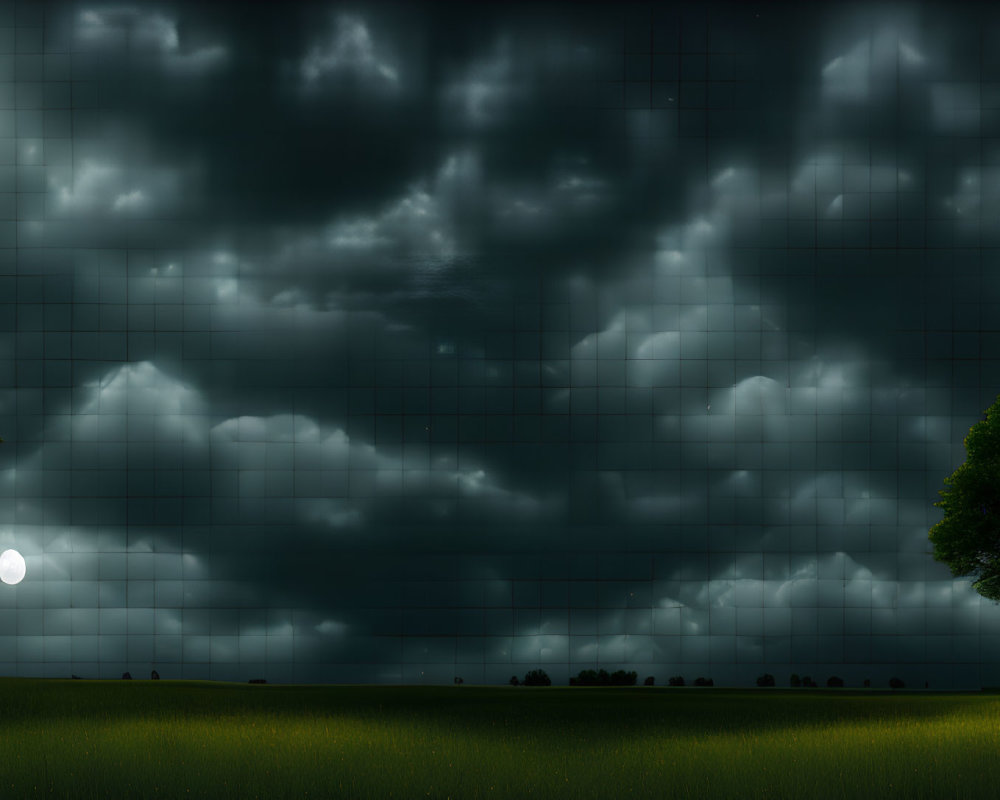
[[590, 677], [601, 677], [536, 677]]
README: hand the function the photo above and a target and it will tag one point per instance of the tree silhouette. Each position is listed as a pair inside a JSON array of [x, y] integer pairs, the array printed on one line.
[[590, 677], [537, 677]]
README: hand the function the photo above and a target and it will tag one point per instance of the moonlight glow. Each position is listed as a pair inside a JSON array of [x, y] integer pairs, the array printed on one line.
[[12, 567]]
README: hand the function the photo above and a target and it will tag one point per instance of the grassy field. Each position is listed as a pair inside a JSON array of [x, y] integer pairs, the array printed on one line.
[[147, 739]]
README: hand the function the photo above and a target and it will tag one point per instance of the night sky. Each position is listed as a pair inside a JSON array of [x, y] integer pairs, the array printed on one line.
[[399, 342]]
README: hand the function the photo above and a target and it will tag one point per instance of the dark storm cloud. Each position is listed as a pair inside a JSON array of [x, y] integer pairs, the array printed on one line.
[[416, 88], [878, 181], [431, 339], [151, 32], [103, 187], [349, 52], [158, 458]]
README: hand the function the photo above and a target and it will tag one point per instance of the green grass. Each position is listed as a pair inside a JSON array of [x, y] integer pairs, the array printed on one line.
[[147, 739]]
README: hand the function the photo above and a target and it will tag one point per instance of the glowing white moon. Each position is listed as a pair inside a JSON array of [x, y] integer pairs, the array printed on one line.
[[11, 567]]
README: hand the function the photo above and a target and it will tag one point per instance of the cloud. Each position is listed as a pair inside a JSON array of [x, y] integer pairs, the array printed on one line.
[[143, 403], [521, 74], [956, 107], [347, 484], [350, 51], [102, 187], [414, 225], [687, 367], [537, 211], [309, 472], [433, 240], [799, 586], [132, 201], [148, 436], [149, 33], [974, 201], [871, 66], [140, 389], [404, 252], [482, 94], [331, 627], [417, 227], [113, 24], [198, 61], [747, 417]]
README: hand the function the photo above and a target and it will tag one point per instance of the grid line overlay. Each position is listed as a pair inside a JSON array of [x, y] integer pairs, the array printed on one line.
[[401, 437]]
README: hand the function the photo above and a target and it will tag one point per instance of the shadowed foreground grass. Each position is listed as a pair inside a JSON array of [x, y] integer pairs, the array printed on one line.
[[145, 739]]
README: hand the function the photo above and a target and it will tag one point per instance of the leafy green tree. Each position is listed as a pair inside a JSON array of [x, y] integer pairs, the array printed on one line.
[[967, 538]]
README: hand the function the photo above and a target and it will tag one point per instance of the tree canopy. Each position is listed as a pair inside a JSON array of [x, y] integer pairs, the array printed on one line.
[[967, 538]]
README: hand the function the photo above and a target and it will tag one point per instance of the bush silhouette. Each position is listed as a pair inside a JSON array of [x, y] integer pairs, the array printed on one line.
[[537, 677], [514, 680], [676, 680], [808, 682], [650, 681], [834, 682], [699, 681], [896, 683], [765, 680], [795, 680]]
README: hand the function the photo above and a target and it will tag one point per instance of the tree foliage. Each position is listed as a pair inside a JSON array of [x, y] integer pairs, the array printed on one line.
[[590, 677], [967, 538], [537, 677]]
